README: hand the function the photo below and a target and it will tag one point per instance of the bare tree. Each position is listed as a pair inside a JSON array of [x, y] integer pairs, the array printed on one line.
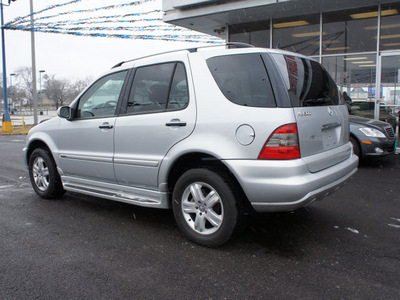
[[57, 90], [61, 91], [24, 75], [19, 95], [77, 87]]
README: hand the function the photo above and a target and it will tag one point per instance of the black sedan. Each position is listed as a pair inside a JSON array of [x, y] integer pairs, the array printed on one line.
[[371, 138]]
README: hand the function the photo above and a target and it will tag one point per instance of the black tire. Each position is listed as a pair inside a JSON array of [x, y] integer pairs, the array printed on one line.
[[213, 208], [43, 174], [356, 146]]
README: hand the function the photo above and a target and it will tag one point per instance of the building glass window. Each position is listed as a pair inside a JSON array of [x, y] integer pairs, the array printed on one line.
[[256, 34], [390, 27], [354, 75], [299, 35], [350, 31], [390, 79], [240, 37]]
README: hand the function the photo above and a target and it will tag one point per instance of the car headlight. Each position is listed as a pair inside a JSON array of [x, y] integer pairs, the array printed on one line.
[[371, 132]]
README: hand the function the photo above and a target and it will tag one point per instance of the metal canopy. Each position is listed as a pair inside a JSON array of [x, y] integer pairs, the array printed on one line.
[[211, 17]]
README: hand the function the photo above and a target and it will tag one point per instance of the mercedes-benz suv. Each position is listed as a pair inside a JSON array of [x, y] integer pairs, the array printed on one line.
[[210, 132]]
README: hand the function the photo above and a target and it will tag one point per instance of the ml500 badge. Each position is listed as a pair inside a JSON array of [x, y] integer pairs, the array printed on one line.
[[304, 114]]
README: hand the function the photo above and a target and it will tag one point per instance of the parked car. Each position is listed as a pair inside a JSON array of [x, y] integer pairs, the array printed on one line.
[[366, 109], [371, 138], [213, 133]]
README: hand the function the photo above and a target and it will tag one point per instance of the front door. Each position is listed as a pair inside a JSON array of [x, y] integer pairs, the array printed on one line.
[[87, 142]]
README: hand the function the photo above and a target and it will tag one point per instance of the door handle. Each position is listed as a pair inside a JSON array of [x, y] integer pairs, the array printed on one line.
[[175, 122], [106, 126], [330, 126]]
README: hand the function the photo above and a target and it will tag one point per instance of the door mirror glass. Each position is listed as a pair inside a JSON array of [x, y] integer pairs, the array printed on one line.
[[64, 112]]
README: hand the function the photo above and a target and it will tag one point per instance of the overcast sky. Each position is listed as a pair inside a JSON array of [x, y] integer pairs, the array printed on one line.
[[72, 57]]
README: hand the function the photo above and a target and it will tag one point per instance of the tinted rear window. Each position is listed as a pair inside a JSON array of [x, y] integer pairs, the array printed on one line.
[[308, 83], [243, 79]]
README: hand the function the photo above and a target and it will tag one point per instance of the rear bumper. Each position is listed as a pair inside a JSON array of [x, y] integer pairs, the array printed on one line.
[[288, 185]]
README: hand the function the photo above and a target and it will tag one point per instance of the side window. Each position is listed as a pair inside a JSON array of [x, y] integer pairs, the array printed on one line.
[[101, 99], [150, 88], [243, 79], [158, 88], [179, 94]]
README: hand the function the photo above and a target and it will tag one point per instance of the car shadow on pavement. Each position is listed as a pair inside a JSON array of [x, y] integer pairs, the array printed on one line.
[[279, 233], [379, 162], [285, 234]]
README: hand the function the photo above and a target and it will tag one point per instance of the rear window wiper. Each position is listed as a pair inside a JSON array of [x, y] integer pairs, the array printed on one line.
[[317, 101]]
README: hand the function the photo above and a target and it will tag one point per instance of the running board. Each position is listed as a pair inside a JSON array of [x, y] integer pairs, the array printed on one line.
[[115, 192]]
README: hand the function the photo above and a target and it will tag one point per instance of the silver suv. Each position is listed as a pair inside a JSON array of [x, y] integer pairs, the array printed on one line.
[[211, 132]]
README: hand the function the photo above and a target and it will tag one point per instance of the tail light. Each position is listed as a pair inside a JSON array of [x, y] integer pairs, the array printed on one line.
[[283, 143]]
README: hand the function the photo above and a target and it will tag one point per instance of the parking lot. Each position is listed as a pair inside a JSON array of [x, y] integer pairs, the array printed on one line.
[[79, 247]]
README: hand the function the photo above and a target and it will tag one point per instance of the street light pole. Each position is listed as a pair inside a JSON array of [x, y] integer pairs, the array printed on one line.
[[6, 125], [41, 92], [34, 88], [12, 94]]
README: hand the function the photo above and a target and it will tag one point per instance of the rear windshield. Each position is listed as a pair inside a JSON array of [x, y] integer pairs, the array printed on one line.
[[243, 79], [308, 83]]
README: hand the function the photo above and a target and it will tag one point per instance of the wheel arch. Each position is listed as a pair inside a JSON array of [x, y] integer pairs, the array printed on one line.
[[202, 160], [43, 173], [35, 144], [357, 140]]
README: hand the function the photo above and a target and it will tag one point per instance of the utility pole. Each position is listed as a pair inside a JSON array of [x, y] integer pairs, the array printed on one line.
[[34, 88], [40, 91]]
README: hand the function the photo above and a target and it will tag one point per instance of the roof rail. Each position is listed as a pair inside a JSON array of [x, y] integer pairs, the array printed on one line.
[[191, 50], [228, 45], [240, 45]]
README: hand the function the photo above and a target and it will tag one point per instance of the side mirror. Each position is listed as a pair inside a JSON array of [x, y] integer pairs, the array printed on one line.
[[65, 112]]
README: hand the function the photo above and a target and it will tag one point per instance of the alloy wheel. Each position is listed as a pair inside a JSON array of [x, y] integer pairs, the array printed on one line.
[[41, 174], [202, 208]]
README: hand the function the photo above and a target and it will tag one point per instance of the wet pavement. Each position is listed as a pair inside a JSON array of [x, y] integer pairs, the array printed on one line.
[[78, 247]]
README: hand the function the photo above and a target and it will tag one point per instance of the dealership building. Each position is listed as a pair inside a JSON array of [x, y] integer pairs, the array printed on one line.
[[357, 41]]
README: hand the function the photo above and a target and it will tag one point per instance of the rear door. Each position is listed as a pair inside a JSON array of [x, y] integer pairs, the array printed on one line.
[[322, 117], [159, 113]]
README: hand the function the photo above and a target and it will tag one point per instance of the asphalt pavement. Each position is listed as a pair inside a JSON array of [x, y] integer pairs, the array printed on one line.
[[78, 247]]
